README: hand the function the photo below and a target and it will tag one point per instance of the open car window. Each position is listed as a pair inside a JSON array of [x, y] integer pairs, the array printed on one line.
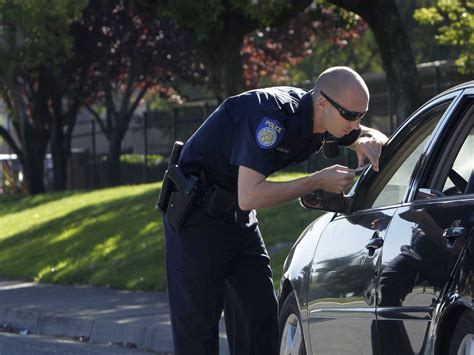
[[453, 174], [396, 187], [462, 168], [391, 183]]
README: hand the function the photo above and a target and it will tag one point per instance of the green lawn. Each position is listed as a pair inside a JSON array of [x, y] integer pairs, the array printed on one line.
[[110, 237]]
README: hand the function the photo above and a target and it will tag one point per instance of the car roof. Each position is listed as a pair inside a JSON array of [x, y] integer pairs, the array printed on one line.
[[467, 84], [463, 86]]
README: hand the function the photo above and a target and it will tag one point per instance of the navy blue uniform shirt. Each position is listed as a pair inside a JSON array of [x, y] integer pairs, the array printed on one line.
[[265, 130]]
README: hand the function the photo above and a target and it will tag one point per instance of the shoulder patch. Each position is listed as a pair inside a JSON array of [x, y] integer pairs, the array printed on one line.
[[269, 133]]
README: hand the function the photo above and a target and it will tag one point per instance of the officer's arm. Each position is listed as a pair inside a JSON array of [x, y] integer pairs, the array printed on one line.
[[254, 191]]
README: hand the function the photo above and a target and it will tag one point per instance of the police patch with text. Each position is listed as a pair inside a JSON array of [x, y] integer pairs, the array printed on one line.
[[269, 133]]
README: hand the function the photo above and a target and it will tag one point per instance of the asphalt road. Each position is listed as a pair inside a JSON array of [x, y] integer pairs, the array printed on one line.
[[16, 344]]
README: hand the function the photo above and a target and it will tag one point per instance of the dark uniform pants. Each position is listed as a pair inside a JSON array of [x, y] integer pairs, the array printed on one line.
[[214, 264]]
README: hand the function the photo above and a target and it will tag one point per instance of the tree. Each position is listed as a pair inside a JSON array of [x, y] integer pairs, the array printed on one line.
[[34, 40], [68, 92], [219, 29], [269, 54], [424, 50], [127, 54], [455, 22], [398, 61]]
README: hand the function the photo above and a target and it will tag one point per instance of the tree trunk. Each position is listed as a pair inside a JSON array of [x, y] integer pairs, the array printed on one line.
[[113, 162], [34, 173], [221, 53], [34, 138], [117, 121], [397, 58], [221, 49], [398, 61], [59, 154], [62, 125], [60, 144], [226, 73], [34, 149]]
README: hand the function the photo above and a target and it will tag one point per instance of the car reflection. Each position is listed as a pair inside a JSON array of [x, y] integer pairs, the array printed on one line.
[[419, 269]]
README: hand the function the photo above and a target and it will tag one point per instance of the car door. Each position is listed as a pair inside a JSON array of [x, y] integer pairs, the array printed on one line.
[[342, 289], [427, 235]]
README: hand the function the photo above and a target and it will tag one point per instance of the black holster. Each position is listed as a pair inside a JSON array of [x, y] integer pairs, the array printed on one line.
[[178, 209], [167, 186], [178, 193], [184, 196]]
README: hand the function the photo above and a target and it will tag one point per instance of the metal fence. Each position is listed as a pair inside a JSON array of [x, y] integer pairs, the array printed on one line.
[[153, 133]]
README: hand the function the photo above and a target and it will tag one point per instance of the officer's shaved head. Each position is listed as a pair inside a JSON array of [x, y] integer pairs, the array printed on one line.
[[344, 85], [339, 82]]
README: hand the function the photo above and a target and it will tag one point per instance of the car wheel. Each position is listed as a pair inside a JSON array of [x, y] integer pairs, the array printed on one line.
[[291, 332], [462, 341]]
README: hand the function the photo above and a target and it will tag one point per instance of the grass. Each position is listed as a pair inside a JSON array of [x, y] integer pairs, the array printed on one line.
[[110, 237]]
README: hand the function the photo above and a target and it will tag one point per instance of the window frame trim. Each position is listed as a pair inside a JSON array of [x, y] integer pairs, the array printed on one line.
[[367, 177], [452, 149], [428, 160]]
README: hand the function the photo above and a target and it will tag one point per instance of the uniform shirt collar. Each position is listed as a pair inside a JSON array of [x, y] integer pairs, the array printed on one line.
[[306, 106]]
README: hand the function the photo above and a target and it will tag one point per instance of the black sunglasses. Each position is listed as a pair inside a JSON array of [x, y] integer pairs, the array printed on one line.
[[345, 113]]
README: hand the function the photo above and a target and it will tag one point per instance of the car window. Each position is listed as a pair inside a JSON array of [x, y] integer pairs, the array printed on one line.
[[463, 165], [454, 173], [393, 182], [395, 189]]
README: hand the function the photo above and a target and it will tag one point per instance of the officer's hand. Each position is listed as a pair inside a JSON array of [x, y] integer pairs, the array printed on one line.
[[370, 148], [335, 178]]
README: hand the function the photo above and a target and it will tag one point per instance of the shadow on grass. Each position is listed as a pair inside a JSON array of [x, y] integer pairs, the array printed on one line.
[[118, 243], [18, 203]]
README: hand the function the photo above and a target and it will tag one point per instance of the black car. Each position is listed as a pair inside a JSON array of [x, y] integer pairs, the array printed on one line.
[[389, 269]]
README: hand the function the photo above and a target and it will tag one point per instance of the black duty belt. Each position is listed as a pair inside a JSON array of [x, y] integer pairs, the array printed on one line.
[[223, 204], [181, 193]]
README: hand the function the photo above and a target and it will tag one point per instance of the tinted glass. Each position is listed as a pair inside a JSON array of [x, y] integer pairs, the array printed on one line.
[[404, 163], [464, 163]]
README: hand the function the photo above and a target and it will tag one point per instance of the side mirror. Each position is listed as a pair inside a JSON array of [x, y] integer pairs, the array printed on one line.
[[325, 201]]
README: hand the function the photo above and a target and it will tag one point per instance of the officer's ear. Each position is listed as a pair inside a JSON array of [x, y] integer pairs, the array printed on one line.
[[321, 102], [318, 100]]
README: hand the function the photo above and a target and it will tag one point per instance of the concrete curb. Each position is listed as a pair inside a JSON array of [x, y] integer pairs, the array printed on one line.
[[20, 319], [157, 339], [98, 315]]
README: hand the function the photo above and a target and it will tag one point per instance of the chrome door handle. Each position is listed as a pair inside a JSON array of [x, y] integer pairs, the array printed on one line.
[[374, 243], [453, 233]]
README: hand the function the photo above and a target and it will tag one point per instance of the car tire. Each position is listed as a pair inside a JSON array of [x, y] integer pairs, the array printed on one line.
[[462, 340], [291, 331]]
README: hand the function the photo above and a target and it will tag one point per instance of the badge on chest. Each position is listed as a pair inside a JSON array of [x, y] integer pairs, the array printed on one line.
[[269, 133]]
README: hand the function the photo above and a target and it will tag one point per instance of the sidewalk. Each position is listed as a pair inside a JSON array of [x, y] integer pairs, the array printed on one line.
[[99, 314]]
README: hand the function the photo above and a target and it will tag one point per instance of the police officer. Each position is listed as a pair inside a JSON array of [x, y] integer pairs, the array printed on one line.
[[217, 258]]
